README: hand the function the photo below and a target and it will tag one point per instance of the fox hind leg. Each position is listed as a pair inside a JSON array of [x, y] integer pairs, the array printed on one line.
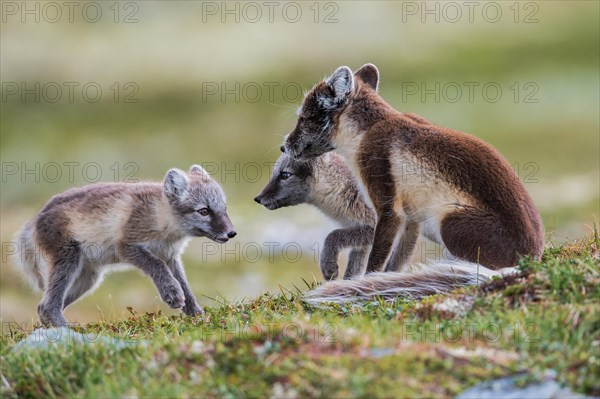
[[480, 236], [87, 280], [64, 271]]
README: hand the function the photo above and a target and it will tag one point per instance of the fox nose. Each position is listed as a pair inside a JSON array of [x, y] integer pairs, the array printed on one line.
[[257, 199], [231, 234], [282, 148]]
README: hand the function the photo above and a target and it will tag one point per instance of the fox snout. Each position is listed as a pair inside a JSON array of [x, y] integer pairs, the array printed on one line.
[[223, 229], [267, 200], [231, 234], [262, 199], [223, 238]]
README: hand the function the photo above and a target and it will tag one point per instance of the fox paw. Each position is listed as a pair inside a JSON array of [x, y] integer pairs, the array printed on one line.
[[193, 310], [329, 270], [49, 317], [173, 296]]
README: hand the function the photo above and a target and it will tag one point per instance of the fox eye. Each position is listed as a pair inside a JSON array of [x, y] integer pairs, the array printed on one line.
[[284, 175], [203, 211]]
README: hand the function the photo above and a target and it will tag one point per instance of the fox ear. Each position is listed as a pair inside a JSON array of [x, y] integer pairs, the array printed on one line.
[[341, 83], [198, 170], [176, 184], [369, 74]]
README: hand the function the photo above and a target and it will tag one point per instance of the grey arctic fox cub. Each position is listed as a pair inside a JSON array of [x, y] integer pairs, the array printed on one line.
[[327, 183], [67, 247], [453, 187]]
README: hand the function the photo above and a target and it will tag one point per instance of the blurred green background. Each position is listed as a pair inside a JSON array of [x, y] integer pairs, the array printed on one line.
[[218, 84]]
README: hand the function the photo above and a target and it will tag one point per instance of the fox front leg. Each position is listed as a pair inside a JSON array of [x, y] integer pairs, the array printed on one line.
[[168, 287], [191, 307], [388, 225], [62, 274], [405, 248], [356, 262], [338, 240]]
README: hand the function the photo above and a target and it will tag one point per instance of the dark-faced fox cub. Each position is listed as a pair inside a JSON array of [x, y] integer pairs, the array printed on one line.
[[67, 247], [456, 188], [327, 183]]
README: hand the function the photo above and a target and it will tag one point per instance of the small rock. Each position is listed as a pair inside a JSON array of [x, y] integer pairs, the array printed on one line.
[[505, 388], [382, 352], [42, 338]]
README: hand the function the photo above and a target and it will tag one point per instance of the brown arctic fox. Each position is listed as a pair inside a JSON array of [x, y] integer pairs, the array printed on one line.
[[456, 188], [68, 246], [327, 183]]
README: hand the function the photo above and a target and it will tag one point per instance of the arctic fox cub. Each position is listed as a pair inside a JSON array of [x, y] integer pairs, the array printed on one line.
[[66, 248], [327, 183]]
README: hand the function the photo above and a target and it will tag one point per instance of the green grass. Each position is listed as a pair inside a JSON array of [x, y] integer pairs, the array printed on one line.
[[547, 317]]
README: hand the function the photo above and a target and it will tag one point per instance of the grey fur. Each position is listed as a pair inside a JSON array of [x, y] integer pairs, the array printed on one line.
[[327, 183], [351, 237], [66, 248], [425, 280], [357, 262]]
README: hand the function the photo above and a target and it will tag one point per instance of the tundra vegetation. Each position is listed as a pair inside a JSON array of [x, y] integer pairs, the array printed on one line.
[[274, 345]]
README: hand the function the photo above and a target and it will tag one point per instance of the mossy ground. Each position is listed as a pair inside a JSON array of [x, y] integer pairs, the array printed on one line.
[[274, 346]]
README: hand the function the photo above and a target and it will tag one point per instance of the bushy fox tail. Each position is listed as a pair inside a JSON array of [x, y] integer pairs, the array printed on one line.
[[26, 258], [424, 280]]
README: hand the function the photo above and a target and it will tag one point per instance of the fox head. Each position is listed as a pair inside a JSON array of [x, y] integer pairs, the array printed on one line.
[[290, 184], [198, 204], [319, 114]]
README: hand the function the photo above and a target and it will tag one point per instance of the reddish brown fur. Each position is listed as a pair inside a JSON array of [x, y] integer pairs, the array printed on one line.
[[504, 224], [467, 196]]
